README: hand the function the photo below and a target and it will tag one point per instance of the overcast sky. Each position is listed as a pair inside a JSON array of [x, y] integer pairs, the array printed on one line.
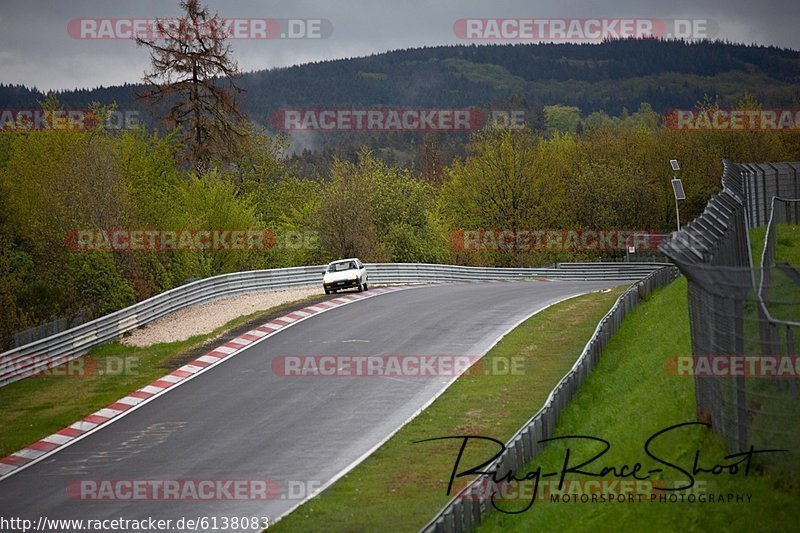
[[36, 48]]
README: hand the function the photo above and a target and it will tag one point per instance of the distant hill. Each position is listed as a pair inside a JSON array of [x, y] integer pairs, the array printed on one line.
[[605, 76]]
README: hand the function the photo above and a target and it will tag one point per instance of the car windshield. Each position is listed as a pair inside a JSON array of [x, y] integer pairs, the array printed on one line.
[[340, 267]]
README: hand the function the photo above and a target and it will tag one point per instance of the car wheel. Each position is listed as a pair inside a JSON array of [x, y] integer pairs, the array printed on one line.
[[327, 291], [360, 287], [365, 286]]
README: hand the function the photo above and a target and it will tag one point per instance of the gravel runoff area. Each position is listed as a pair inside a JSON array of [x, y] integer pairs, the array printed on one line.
[[205, 318]]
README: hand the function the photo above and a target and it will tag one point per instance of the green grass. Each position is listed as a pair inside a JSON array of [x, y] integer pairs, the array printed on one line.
[[757, 244], [784, 293], [629, 397], [783, 299], [402, 485], [40, 405], [787, 243]]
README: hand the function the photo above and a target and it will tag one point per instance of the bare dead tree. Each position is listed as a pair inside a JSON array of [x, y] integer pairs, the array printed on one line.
[[193, 73]]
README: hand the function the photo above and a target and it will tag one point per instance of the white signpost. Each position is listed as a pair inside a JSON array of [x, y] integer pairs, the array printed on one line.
[[677, 188]]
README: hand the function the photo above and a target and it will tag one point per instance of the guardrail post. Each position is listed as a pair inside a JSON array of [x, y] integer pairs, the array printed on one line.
[[537, 435]]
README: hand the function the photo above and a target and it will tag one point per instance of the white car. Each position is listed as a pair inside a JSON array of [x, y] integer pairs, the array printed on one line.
[[344, 274]]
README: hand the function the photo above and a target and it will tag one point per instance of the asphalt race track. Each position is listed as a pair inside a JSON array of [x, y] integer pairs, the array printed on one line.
[[241, 421]]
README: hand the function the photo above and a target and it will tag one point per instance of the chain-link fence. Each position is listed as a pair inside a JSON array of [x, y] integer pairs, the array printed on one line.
[[41, 331], [779, 321], [744, 308], [760, 182]]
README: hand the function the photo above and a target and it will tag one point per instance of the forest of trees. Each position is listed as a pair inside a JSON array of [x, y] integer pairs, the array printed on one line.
[[589, 156], [614, 174], [582, 85]]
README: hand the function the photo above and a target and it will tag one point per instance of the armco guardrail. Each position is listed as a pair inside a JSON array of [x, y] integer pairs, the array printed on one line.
[[421, 272], [47, 353], [468, 507]]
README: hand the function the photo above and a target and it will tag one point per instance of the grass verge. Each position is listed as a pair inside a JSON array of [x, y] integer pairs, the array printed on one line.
[[784, 292], [402, 485], [41, 405], [628, 398]]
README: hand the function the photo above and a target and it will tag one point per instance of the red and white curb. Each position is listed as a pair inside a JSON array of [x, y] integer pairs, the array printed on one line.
[[95, 421]]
